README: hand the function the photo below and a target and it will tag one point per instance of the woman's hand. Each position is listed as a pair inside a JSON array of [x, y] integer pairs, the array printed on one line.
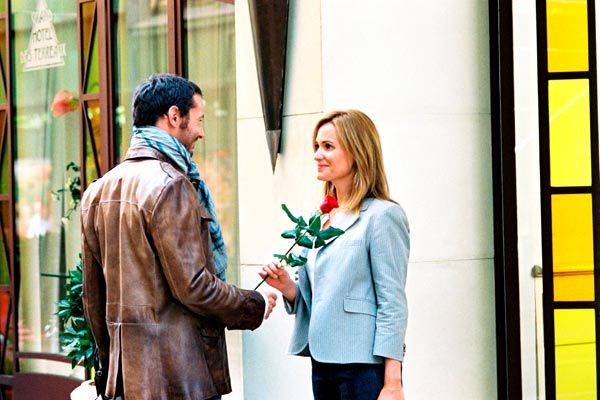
[[391, 394], [392, 381], [277, 277]]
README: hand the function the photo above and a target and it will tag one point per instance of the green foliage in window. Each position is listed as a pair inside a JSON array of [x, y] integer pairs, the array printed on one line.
[[73, 187]]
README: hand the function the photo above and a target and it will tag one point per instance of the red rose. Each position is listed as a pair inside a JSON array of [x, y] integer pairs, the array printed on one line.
[[329, 203], [63, 103]]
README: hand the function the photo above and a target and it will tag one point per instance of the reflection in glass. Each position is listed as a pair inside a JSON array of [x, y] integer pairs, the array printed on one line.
[[90, 44], [210, 60], [92, 130], [44, 145], [4, 266], [88, 14], [3, 76], [575, 341], [140, 41], [6, 335], [569, 112], [92, 84], [567, 35], [572, 247], [4, 166], [5, 171]]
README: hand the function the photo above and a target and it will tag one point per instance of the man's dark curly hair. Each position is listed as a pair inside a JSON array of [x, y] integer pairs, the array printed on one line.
[[153, 97]]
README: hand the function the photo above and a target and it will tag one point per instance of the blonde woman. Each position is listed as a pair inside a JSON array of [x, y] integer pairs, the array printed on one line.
[[349, 300]]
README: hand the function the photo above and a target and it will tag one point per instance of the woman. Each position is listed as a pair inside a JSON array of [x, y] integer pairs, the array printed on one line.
[[349, 301]]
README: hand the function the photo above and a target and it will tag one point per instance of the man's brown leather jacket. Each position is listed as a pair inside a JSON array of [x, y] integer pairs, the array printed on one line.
[[154, 305]]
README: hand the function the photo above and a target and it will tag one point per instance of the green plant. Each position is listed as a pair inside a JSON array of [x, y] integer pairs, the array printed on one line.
[[73, 186], [75, 336]]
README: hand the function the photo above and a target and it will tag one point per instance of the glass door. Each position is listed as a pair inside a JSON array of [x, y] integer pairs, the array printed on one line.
[[209, 60], [140, 30], [46, 147]]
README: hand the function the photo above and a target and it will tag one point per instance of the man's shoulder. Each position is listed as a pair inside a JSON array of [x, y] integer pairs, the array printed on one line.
[[145, 170], [139, 178]]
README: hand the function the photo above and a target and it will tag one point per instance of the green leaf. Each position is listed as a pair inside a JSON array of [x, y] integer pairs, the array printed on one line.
[[70, 330], [315, 226], [297, 261], [76, 276], [77, 287], [76, 194], [89, 358], [72, 166], [319, 243], [289, 214], [301, 222], [305, 242], [283, 258], [329, 233], [290, 234], [63, 303], [78, 321]]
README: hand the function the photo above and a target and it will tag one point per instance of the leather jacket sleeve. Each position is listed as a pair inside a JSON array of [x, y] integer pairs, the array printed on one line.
[[94, 297], [180, 234]]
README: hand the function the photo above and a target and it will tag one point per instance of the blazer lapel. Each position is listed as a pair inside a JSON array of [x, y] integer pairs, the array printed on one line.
[[347, 220]]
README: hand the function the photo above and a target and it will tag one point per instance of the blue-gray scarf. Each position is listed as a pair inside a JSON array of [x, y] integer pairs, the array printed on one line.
[[160, 140]]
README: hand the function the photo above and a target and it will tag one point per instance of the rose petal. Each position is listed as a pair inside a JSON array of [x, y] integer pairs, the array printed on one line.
[[329, 203]]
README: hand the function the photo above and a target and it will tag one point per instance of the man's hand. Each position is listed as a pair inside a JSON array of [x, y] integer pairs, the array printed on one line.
[[270, 300]]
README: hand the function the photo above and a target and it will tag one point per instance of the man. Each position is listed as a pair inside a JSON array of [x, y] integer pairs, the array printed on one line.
[[152, 257]]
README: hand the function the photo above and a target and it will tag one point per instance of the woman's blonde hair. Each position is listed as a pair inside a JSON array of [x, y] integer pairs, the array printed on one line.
[[359, 137]]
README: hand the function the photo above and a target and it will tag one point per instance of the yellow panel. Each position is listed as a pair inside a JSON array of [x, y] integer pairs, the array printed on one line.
[[567, 35], [575, 341], [572, 247], [574, 286], [570, 154]]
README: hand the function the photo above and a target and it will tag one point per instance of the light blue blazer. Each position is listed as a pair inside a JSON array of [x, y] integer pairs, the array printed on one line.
[[357, 311]]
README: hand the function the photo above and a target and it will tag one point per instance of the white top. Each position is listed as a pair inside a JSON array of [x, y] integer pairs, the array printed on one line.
[[310, 266], [311, 262]]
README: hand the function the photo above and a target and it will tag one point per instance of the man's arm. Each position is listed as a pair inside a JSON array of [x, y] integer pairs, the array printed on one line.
[[183, 250], [94, 297]]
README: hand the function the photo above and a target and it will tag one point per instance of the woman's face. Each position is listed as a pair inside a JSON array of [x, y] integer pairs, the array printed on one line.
[[334, 163]]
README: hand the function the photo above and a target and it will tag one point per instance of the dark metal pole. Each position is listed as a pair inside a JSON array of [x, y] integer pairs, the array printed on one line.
[[508, 340]]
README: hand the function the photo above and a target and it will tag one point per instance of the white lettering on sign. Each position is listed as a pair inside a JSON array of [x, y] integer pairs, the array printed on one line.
[[43, 51]]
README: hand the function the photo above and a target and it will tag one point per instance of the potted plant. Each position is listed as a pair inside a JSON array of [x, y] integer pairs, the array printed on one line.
[[75, 335]]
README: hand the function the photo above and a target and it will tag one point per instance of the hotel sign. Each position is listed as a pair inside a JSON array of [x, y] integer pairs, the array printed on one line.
[[43, 51]]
